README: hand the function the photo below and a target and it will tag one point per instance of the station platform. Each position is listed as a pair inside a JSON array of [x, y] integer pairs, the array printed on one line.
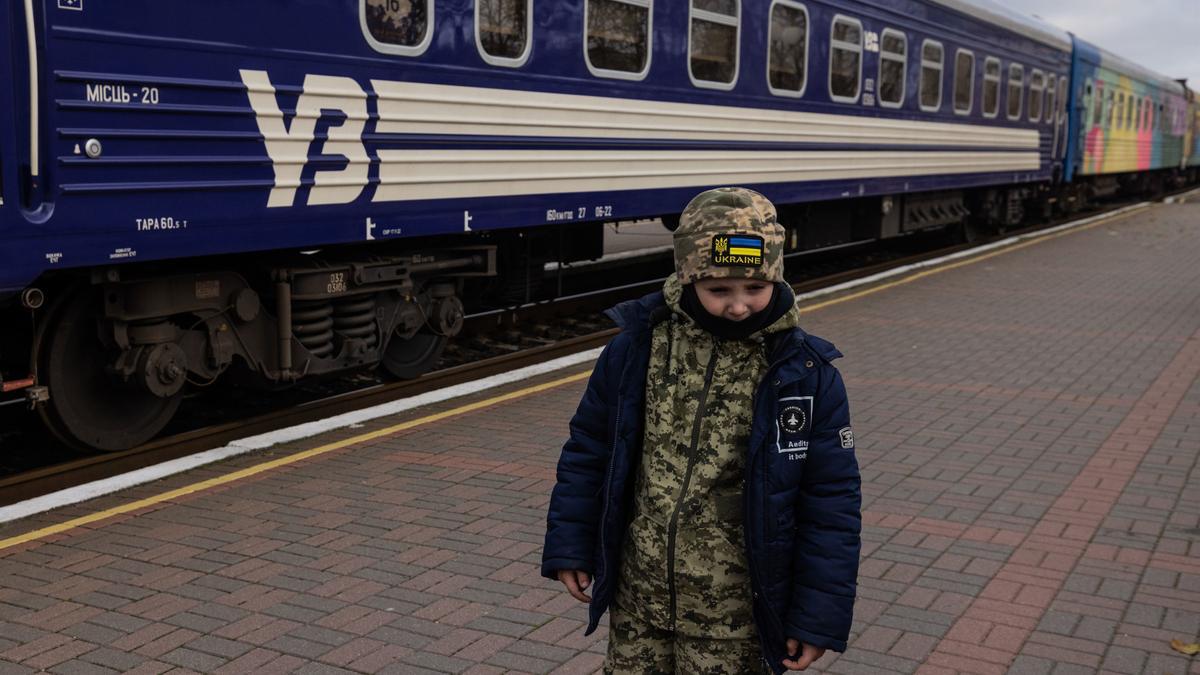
[[1028, 427]]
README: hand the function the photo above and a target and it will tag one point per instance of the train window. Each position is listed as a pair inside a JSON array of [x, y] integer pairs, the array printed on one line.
[[1110, 105], [1048, 104], [1120, 111], [932, 65], [1129, 112], [713, 35], [787, 66], [964, 82], [1016, 90], [893, 67], [502, 30], [845, 59], [1037, 89], [618, 38], [397, 26], [991, 87]]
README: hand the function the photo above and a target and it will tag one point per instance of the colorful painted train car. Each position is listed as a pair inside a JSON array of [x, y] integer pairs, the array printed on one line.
[[1130, 121]]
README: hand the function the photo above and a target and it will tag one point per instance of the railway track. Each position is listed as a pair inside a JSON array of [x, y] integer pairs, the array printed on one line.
[[68, 472]]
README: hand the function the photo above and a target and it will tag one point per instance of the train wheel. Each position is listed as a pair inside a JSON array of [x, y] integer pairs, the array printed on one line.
[[411, 358], [970, 231], [89, 409]]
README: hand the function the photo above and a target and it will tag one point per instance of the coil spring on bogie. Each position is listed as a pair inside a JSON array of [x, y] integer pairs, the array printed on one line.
[[312, 324], [354, 318]]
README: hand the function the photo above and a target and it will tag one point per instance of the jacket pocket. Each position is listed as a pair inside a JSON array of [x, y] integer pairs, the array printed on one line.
[[783, 519]]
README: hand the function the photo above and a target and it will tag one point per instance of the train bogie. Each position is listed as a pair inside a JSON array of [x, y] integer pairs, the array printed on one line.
[[117, 353]]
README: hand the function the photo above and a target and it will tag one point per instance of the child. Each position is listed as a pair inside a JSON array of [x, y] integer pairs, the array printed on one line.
[[709, 485]]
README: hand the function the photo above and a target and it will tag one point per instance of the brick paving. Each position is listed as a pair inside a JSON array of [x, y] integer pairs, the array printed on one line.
[[1029, 431]]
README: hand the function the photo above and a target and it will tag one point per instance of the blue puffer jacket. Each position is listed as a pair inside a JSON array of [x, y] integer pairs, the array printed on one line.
[[802, 492]]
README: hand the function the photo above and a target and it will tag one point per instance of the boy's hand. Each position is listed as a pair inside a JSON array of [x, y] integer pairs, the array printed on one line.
[[576, 582], [804, 659]]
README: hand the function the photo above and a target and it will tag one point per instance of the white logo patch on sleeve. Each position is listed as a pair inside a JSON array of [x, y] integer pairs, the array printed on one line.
[[847, 437]]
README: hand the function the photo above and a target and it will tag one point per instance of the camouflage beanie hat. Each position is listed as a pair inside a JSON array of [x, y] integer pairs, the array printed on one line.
[[729, 233]]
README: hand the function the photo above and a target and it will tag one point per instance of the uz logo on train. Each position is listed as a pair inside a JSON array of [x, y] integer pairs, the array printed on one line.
[[287, 142]]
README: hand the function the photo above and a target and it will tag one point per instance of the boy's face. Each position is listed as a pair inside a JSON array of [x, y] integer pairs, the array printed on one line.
[[734, 299]]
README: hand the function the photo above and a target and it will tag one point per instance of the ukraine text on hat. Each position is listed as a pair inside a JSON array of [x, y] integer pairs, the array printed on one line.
[[738, 249]]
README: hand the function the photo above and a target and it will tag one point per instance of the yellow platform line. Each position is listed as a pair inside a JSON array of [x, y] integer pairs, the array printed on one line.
[[478, 405], [283, 461]]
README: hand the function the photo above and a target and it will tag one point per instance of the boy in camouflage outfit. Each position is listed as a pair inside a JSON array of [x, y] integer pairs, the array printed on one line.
[[709, 485]]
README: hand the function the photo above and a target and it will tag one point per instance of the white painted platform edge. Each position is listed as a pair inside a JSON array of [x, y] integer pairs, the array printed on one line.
[[969, 253], [1180, 199], [109, 485]]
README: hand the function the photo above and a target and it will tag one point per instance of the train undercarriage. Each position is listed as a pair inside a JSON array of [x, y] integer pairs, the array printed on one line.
[[113, 354]]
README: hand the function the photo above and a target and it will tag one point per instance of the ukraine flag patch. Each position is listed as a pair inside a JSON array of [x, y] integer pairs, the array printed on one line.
[[740, 250]]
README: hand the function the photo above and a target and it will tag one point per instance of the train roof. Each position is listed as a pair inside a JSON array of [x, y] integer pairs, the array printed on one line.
[[1124, 66], [999, 15]]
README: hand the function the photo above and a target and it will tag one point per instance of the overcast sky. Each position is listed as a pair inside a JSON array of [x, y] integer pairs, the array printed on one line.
[[1163, 35]]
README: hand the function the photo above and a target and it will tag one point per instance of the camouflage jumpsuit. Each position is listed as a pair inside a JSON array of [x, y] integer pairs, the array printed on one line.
[[683, 602]]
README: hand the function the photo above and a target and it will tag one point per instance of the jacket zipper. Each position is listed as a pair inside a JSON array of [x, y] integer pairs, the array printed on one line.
[[673, 526], [612, 461], [757, 584]]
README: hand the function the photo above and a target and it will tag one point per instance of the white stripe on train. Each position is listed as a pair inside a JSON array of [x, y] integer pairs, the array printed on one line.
[[407, 108]]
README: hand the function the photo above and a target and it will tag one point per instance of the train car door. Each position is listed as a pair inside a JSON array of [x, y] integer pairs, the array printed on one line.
[[21, 212], [1060, 120], [1191, 131]]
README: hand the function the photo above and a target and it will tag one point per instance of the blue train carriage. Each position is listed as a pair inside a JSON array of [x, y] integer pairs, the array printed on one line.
[[271, 191], [1129, 124]]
